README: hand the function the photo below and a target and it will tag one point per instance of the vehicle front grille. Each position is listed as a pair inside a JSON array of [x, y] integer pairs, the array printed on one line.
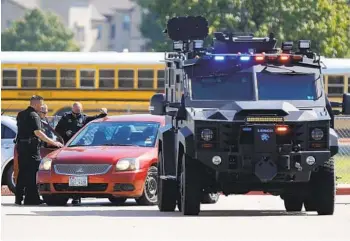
[[82, 169], [92, 187]]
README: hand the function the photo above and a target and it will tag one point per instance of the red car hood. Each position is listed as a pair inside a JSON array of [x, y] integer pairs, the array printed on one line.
[[100, 154]]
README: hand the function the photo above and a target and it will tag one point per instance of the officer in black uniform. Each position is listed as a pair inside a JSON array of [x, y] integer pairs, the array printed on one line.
[[72, 122], [28, 148]]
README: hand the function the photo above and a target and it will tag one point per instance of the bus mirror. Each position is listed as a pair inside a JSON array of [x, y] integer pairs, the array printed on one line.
[[346, 104], [157, 104]]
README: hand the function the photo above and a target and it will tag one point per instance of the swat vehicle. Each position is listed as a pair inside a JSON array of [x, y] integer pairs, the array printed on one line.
[[243, 116]]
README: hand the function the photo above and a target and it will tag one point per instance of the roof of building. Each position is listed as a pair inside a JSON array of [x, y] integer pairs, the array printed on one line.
[[95, 14]]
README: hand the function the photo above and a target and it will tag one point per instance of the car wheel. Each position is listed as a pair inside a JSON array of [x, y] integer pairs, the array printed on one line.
[[166, 190], [10, 179], [210, 198], [149, 196], [54, 200], [117, 200], [190, 187]]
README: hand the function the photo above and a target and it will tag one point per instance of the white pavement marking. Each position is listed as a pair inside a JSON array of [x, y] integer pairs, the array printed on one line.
[[232, 218]]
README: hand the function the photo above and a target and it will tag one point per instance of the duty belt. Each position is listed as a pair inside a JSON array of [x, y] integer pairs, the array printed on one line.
[[29, 140]]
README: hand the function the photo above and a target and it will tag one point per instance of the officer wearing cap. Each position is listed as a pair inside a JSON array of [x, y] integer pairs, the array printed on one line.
[[72, 122], [28, 148]]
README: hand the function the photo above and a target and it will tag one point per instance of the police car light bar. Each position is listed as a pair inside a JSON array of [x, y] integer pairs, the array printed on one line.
[[258, 58]]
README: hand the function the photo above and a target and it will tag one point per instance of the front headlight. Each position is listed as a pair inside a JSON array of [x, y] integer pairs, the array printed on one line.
[[45, 164], [317, 134], [207, 134], [127, 164]]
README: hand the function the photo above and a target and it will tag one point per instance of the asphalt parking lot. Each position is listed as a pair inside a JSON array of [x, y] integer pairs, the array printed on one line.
[[232, 218]]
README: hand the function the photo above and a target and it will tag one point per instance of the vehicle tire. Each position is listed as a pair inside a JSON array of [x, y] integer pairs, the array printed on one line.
[[324, 188], [293, 203], [166, 189], [210, 198], [309, 205], [149, 196], [190, 187], [10, 179], [117, 200], [53, 200]]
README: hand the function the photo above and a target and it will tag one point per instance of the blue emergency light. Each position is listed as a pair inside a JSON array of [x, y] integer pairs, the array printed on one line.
[[219, 58]]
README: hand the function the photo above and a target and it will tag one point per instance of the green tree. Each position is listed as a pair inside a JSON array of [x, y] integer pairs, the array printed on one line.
[[325, 22], [38, 31]]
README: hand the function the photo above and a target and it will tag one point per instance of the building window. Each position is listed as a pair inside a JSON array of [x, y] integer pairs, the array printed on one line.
[[113, 31], [80, 33], [99, 32], [126, 22], [9, 78]]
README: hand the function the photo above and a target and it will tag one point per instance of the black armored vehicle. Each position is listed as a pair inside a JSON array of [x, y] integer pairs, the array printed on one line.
[[243, 115]]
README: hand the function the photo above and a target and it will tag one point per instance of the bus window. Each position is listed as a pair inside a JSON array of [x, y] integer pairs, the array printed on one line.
[[9, 78], [68, 78], [87, 78], [145, 78], [106, 78], [335, 85], [126, 79], [48, 78], [161, 77], [29, 77]]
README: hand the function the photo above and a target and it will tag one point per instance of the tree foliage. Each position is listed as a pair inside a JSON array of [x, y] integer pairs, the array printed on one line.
[[325, 22], [38, 31]]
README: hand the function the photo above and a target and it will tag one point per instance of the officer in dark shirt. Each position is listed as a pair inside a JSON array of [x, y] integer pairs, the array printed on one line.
[[72, 122], [28, 149]]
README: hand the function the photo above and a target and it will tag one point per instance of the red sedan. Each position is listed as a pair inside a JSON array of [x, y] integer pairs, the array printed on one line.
[[114, 157]]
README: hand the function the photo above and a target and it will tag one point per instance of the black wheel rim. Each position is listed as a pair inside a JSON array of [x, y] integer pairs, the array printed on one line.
[[151, 185]]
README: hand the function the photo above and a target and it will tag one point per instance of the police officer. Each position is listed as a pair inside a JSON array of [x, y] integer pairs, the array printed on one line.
[[43, 112], [28, 148], [72, 122]]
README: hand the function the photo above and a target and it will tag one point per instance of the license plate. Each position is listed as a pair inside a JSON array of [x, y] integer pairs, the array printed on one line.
[[78, 181]]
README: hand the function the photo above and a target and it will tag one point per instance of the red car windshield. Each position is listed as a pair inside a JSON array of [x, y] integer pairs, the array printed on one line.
[[142, 134]]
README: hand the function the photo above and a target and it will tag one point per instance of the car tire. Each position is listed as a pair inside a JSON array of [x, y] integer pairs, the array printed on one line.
[[190, 187], [149, 196], [210, 198], [324, 188], [10, 180], [309, 205], [117, 200], [53, 200], [166, 189], [293, 203]]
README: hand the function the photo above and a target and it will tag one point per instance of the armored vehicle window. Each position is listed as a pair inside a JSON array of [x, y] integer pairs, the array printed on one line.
[[237, 86], [286, 87]]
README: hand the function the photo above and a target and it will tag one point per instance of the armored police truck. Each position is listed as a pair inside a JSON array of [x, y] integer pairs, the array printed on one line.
[[241, 116]]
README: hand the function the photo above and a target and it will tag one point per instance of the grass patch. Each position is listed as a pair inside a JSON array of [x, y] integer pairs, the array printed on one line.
[[342, 168]]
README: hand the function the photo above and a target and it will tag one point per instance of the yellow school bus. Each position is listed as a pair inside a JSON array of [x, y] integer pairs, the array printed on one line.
[[121, 82]]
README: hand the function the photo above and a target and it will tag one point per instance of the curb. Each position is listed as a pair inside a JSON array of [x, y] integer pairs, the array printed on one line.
[[342, 189]]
